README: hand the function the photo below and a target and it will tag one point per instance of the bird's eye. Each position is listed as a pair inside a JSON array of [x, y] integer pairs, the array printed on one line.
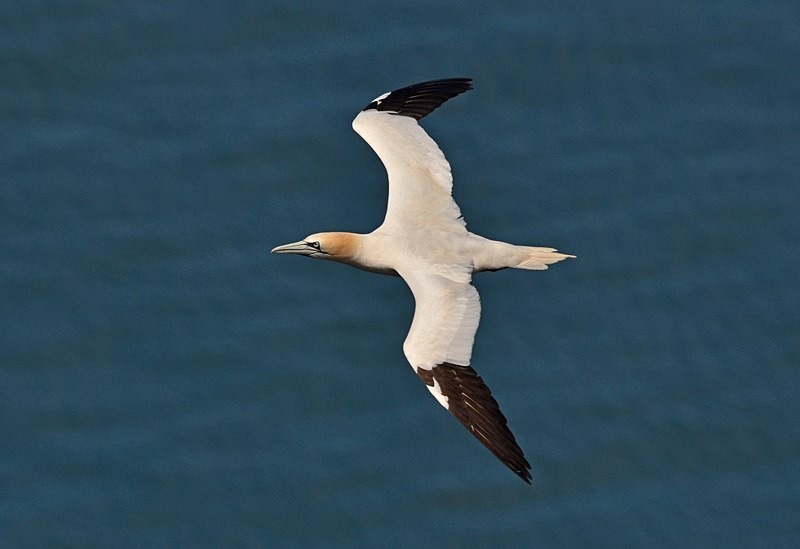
[[314, 245]]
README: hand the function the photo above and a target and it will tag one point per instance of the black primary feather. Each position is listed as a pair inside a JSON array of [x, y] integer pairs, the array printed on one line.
[[419, 100]]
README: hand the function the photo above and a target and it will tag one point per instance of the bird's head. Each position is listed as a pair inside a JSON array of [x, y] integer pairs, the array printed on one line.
[[333, 246]]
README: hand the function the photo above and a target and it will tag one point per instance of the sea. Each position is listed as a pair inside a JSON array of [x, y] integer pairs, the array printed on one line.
[[167, 382]]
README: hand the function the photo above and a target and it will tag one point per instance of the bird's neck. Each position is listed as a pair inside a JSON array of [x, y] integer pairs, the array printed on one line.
[[363, 251]]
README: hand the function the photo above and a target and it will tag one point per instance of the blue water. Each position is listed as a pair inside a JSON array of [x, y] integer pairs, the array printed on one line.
[[165, 382]]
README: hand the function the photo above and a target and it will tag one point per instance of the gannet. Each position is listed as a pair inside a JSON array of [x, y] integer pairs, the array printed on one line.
[[424, 240]]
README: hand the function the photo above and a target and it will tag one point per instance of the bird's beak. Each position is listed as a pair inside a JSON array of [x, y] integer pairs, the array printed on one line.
[[302, 247]]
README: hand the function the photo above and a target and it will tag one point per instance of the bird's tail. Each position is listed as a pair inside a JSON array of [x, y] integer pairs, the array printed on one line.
[[537, 259]]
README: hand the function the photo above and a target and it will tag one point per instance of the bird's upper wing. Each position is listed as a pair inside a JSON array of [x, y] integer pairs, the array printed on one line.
[[420, 182], [439, 347]]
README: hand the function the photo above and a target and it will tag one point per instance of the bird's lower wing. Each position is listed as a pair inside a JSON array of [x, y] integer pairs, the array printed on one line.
[[439, 348]]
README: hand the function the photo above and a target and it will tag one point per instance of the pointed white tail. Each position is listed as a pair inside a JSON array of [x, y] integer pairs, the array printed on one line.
[[538, 259]]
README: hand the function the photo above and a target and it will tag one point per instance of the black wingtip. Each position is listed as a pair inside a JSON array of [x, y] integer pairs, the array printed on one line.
[[472, 403], [419, 100]]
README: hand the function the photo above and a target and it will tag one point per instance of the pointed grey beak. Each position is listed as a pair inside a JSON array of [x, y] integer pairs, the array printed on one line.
[[302, 247]]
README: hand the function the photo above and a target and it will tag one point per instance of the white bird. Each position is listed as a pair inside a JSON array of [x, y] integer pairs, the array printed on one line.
[[424, 240]]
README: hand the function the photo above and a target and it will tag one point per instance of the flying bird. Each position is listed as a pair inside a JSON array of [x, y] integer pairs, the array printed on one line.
[[424, 239]]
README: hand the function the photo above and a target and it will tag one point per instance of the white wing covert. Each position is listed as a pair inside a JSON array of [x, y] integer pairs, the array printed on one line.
[[446, 317], [420, 181]]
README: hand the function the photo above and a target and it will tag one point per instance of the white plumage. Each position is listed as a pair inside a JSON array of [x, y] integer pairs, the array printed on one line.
[[420, 182], [424, 239]]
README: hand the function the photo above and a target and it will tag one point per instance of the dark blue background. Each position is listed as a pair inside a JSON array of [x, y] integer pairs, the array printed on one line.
[[166, 382]]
